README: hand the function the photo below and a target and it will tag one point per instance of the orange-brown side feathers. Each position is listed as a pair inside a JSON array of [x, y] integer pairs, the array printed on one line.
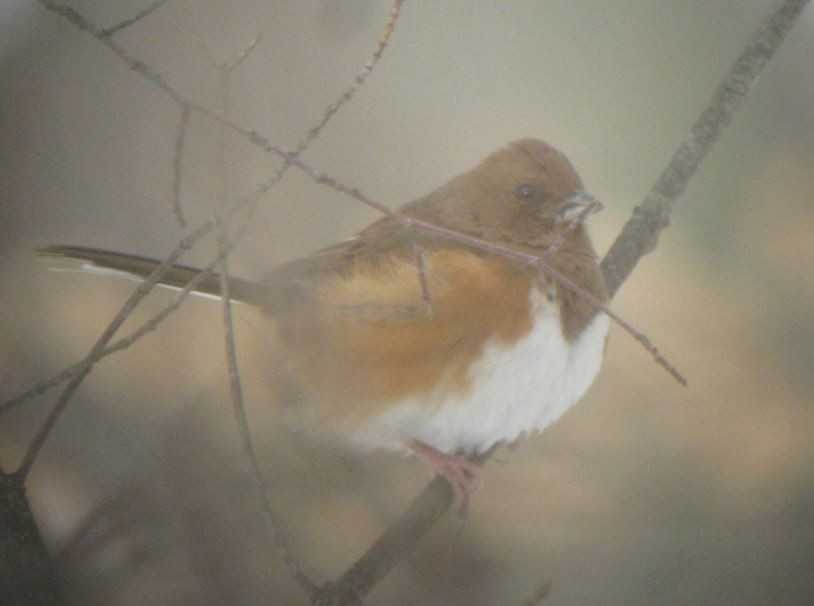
[[365, 340]]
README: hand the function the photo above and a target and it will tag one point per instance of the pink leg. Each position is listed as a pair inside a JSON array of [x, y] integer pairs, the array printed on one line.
[[463, 474]]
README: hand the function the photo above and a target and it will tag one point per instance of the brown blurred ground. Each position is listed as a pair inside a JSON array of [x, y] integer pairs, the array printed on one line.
[[646, 493]]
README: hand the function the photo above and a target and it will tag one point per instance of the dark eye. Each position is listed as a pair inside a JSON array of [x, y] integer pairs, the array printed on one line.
[[525, 192]]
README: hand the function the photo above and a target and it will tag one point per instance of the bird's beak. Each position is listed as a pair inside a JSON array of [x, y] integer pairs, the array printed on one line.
[[578, 205]]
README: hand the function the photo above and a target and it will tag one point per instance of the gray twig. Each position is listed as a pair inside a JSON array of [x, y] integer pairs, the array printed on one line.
[[357, 82], [180, 142], [138, 295], [236, 397], [235, 383], [421, 269], [134, 19]]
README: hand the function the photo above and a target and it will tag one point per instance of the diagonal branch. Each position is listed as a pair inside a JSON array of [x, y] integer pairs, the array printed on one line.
[[640, 234]]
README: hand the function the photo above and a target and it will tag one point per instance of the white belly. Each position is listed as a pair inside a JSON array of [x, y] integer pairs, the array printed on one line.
[[517, 389]]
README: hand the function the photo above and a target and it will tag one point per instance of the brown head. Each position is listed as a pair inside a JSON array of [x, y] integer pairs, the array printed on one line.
[[525, 194]]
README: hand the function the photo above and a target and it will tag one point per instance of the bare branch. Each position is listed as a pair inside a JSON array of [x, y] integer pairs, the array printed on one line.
[[135, 18], [144, 70], [640, 234], [135, 298], [236, 397], [396, 542], [235, 383], [72, 371], [76, 19], [358, 81]]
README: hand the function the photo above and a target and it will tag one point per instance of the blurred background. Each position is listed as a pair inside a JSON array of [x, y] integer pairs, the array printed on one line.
[[645, 493]]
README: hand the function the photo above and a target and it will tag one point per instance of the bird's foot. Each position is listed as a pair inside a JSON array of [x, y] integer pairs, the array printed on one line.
[[463, 474]]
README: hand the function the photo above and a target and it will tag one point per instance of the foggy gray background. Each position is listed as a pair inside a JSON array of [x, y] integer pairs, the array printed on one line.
[[646, 493]]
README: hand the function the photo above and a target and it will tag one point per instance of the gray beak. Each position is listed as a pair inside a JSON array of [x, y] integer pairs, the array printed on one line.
[[578, 204]]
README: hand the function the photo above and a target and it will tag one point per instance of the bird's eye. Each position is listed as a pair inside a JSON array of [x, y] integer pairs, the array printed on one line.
[[525, 192]]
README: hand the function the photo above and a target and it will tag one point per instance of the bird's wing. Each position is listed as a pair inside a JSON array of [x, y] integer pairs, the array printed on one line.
[[368, 336]]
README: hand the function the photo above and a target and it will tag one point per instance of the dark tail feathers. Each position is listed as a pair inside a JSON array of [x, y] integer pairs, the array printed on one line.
[[93, 259]]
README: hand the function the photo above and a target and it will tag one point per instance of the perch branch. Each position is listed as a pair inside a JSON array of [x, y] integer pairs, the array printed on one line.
[[640, 234]]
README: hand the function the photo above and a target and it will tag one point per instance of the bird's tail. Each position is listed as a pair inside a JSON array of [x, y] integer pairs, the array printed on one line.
[[94, 260]]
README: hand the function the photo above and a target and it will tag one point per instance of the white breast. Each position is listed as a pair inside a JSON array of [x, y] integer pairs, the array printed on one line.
[[517, 389]]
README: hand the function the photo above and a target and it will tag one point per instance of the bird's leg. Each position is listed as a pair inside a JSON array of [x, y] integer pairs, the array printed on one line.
[[463, 474]]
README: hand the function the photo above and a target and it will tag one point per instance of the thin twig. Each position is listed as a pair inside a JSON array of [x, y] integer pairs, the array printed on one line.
[[77, 20], [358, 81], [135, 298], [125, 342], [235, 383], [152, 76], [248, 201], [97, 351], [134, 19], [236, 397], [180, 142], [591, 208], [421, 270], [229, 67]]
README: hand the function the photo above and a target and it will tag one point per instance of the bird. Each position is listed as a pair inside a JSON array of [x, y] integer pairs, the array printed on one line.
[[449, 357]]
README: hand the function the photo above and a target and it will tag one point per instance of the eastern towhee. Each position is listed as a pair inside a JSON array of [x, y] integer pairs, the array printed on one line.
[[500, 351]]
